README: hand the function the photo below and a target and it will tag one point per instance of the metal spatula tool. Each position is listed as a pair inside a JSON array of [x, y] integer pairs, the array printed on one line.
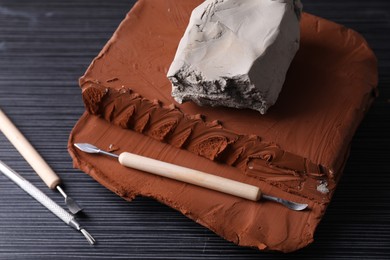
[[35, 160], [191, 176], [45, 200]]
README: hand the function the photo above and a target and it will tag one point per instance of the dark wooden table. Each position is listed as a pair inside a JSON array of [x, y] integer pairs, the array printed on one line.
[[45, 45]]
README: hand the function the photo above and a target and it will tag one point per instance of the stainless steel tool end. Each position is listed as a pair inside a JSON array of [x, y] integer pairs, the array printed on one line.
[[72, 205], [89, 148], [88, 236], [289, 204]]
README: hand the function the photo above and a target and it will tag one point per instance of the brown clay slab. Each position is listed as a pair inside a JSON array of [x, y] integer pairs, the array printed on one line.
[[296, 151]]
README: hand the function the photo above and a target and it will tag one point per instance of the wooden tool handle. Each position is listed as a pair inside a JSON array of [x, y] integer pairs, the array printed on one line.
[[28, 152], [187, 175]]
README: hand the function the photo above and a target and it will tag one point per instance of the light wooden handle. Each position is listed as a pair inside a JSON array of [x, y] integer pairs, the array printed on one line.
[[187, 175], [28, 152]]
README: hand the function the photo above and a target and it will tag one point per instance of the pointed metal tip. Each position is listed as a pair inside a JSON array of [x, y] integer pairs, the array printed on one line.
[[300, 207], [88, 236], [89, 148], [82, 146], [86, 147], [287, 203], [77, 145]]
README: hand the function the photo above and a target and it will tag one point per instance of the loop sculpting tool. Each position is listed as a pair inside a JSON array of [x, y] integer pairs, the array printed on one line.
[[35, 160], [41, 197]]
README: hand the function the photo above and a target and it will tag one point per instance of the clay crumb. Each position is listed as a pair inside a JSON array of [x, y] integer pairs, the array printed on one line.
[[112, 148], [323, 187]]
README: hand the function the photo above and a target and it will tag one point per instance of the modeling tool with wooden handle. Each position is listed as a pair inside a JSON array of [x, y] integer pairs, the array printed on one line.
[[191, 176], [34, 159]]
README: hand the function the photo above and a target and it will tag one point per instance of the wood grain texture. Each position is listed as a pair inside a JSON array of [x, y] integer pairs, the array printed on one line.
[[45, 45]]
